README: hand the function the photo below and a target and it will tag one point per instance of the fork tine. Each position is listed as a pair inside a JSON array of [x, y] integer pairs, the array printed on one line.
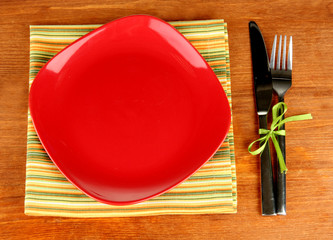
[[272, 62], [284, 53], [278, 63], [290, 54]]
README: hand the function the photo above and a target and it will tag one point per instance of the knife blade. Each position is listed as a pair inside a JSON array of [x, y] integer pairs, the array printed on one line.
[[263, 94]]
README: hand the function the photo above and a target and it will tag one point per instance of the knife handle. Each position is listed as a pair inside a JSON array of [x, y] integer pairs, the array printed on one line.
[[281, 179], [267, 190]]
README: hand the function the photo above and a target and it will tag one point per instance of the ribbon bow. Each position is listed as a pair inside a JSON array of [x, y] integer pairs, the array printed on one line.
[[277, 122]]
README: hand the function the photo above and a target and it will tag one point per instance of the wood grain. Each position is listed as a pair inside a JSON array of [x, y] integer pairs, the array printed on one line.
[[309, 144]]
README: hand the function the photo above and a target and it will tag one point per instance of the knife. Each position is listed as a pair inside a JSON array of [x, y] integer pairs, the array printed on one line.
[[263, 92]]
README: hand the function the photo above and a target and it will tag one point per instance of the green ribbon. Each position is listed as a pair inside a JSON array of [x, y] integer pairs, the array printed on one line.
[[277, 122]]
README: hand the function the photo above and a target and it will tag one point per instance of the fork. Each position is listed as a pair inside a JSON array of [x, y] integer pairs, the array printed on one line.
[[281, 78]]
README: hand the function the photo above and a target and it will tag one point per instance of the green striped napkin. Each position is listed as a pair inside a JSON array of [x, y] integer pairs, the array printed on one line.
[[212, 189]]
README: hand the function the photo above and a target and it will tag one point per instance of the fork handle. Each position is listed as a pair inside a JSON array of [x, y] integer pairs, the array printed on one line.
[[281, 177]]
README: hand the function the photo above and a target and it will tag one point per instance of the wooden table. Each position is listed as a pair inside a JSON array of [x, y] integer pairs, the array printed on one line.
[[309, 143]]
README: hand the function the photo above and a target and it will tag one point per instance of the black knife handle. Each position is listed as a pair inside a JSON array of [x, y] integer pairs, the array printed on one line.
[[281, 179], [267, 190]]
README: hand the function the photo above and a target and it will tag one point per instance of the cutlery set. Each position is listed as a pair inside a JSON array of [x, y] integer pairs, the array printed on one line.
[[268, 76], [116, 178]]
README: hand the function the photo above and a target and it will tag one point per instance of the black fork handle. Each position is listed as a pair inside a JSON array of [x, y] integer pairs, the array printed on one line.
[[267, 192], [281, 177]]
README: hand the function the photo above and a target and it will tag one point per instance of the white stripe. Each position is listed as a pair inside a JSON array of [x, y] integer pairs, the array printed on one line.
[[41, 165], [54, 38], [222, 163], [202, 34], [51, 183]]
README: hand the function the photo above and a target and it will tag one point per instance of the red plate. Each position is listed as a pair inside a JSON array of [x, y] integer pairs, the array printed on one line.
[[129, 111]]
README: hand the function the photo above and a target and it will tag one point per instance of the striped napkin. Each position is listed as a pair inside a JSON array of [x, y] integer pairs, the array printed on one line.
[[212, 189]]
